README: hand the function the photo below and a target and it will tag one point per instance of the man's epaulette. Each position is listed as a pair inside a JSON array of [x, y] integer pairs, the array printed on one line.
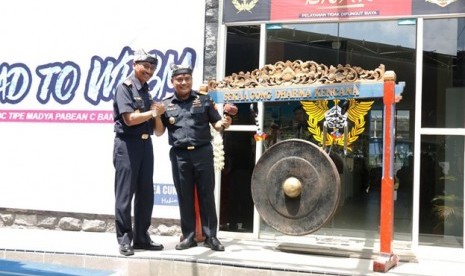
[[128, 82], [202, 92], [168, 97]]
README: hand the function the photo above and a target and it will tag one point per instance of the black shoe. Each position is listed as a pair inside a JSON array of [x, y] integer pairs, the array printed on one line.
[[153, 246], [186, 243], [214, 244], [126, 250]]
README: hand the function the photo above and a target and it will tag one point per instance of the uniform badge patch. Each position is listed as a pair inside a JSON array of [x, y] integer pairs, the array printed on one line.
[[441, 3]]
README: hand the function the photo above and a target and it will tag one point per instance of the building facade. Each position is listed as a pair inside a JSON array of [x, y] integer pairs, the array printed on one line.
[[423, 42]]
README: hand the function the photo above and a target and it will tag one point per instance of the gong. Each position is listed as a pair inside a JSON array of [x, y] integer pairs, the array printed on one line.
[[295, 187]]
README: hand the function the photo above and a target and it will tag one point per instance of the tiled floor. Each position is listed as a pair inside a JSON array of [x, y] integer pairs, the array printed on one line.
[[241, 257], [18, 267]]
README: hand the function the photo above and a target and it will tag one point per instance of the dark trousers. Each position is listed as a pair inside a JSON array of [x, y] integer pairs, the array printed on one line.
[[195, 168], [133, 161]]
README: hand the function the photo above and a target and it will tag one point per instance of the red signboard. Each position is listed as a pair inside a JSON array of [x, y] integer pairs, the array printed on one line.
[[284, 10], [317, 10]]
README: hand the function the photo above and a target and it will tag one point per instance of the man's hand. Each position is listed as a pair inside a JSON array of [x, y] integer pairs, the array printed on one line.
[[226, 121], [230, 109], [160, 107], [157, 109]]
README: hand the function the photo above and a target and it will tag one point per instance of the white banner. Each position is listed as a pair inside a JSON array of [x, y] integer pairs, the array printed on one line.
[[60, 62]]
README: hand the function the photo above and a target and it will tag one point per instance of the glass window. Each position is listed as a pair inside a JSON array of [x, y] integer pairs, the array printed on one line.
[[361, 44], [236, 204], [441, 190], [285, 120], [443, 101], [443, 95]]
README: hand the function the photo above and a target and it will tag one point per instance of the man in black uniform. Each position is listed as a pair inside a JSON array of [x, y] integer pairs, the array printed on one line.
[[134, 116], [188, 117]]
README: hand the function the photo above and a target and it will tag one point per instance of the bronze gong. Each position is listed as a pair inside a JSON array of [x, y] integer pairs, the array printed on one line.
[[295, 187]]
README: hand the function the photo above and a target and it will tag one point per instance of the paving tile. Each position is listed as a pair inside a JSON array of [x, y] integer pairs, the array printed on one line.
[[99, 251]]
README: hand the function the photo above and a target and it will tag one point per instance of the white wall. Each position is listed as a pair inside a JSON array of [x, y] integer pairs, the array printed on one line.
[[53, 58]]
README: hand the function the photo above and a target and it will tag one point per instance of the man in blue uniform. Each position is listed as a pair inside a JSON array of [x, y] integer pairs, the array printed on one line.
[[134, 116], [188, 117]]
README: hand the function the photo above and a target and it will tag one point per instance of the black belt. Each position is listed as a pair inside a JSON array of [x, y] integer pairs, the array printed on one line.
[[190, 147], [143, 136]]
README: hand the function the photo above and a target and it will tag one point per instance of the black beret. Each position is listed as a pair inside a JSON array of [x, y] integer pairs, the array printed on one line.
[[178, 70], [143, 56]]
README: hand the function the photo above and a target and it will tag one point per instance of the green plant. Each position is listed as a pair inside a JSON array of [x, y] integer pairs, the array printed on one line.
[[448, 209]]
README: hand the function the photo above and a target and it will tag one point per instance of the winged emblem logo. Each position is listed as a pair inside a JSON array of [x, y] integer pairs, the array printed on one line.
[[336, 120], [441, 3], [244, 5]]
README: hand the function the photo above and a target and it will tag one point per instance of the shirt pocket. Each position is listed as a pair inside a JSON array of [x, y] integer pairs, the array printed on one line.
[[197, 110], [198, 113], [138, 103]]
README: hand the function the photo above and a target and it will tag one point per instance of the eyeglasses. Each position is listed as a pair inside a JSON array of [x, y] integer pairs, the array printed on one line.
[[183, 79]]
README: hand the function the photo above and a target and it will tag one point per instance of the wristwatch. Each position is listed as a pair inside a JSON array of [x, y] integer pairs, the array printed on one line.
[[154, 114]]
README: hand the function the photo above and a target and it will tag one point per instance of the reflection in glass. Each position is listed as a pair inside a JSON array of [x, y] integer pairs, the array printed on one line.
[[358, 44], [444, 73], [236, 204], [441, 190]]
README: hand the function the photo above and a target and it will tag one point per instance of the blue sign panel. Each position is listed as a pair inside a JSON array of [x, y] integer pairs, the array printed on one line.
[[303, 93]]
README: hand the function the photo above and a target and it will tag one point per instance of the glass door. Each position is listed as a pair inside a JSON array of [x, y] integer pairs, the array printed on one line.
[[366, 45], [442, 169]]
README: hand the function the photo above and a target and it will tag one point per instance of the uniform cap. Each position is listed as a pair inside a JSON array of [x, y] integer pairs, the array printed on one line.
[[179, 69], [141, 56]]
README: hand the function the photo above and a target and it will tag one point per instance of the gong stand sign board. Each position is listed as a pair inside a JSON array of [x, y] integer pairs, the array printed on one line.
[[295, 184]]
